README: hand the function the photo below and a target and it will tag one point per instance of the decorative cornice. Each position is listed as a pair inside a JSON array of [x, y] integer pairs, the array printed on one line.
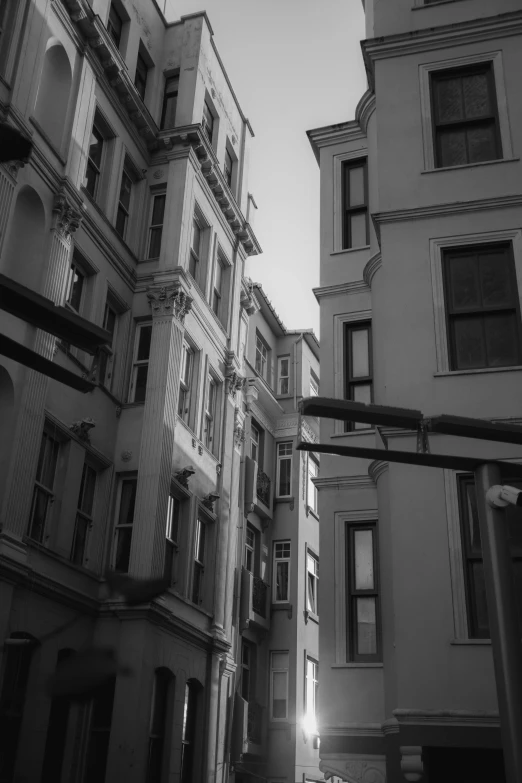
[[66, 219], [453, 208], [353, 730], [330, 135], [307, 433], [169, 300], [341, 289], [377, 468], [365, 109], [354, 768], [338, 483], [442, 36], [371, 268], [411, 762], [447, 717]]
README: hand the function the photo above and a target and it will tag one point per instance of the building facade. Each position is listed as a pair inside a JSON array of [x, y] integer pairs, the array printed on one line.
[[421, 277], [133, 213]]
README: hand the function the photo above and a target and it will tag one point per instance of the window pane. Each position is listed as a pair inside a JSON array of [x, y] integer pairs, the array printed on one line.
[[196, 238], [279, 695], [144, 343], [362, 392], [282, 581], [155, 242], [140, 387], [481, 143], [128, 499], [87, 486], [285, 469], [358, 230], [158, 210], [502, 340], [123, 546], [452, 148], [38, 514], [476, 95], [363, 557], [366, 626], [169, 111], [470, 350], [96, 147], [125, 190], [473, 520], [464, 283], [449, 99], [480, 604], [280, 660], [360, 357], [356, 186], [80, 540], [495, 278]]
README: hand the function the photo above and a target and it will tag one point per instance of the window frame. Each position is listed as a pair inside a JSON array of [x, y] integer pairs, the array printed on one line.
[[281, 377], [210, 413], [350, 381], [353, 594], [155, 227], [256, 445], [142, 67], [280, 457], [282, 558], [172, 533], [137, 363], [95, 165], [107, 356], [309, 659], [121, 526], [262, 360], [310, 486], [279, 670], [116, 35], [84, 517], [312, 578], [199, 559], [170, 90], [76, 268], [195, 261], [186, 383], [209, 128], [347, 210], [121, 207], [163, 681], [39, 488], [314, 384], [228, 170]]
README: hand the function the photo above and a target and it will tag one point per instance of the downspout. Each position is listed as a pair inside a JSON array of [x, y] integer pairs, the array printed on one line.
[[295, 370]]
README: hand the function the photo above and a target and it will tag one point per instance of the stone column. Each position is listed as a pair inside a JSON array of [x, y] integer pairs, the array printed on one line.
[[8, 174], [30, 420], [169, 305]]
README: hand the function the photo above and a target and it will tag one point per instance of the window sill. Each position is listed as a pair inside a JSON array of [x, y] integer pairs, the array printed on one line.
[[311, 512], [472, 642], [289, 500], [369, 431], [309, 615], [133, 404], [480, 370], [351, 249], [428, 5], [469, 165], [284, 606], [378, 665]]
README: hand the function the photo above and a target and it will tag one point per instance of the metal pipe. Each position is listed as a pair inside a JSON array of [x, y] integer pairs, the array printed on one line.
[[503, 620]]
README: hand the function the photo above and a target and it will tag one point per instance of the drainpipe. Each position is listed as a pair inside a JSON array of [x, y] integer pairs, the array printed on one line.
[[299, 339]]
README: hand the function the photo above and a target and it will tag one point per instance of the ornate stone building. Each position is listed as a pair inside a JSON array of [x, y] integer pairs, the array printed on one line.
[[420, 283]]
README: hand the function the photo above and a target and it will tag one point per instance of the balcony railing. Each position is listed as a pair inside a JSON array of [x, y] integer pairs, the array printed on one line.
[[259, 593], [263, 488], [254, 724]]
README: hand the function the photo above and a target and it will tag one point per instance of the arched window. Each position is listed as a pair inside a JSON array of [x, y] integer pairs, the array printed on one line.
[[52, 100], [18, 651], [6, 423], [24, 254], [188, 734], [159, 720], [56, 732]]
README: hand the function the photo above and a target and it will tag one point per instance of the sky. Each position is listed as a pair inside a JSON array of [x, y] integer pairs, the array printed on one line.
[[294, 65]]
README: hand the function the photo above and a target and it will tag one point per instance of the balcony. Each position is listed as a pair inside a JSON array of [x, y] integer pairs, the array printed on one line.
[[254, 602], [247, 728]]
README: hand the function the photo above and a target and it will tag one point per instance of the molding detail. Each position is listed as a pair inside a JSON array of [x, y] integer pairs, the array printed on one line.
[[13, 166], [239, 428], [354, 769], [454, 208], [411, 762], [338, 483], [307, 433], [234, 383], [81, 428], [365, 109], [66, 219], [341, 289], [447, 718], [374, 263], [247, 298], [377, 468], [169, 300]]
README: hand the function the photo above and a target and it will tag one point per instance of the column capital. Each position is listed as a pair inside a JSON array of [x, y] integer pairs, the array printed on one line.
[[66, 218], [169, 299]]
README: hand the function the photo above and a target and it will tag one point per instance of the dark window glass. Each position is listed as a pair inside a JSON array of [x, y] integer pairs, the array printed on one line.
[[140, 77], [170, 102], [363, 596], [465, 116], [478, 624], [17, 661], [158, 722], [199, 562], [156, 225], [482, 307], [122, 217], [355, 204], [115, 25], [358, 375], [56, 733], [93, 171], [84, 518], [247, 671], [208, 121], [188, 734], [43, 494], [228, 168], [99, 733], [124, 524]]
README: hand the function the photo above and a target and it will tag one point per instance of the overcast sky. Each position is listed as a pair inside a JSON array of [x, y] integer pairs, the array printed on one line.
[[294, 65]]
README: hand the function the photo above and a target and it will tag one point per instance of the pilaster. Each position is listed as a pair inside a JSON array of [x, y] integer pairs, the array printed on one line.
[[169, 304], [8, 175], [30, 420]]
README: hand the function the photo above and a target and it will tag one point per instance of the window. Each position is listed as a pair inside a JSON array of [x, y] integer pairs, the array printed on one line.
[[158, 724], [140, 367], [217, 291], [170, 102], [57, 727], [188, 734], [156, 225], [185, 384], [475, 588], [358, 367], [195, 250], [229, 163], [255, 439], [84, 515], [124, 201], [312, 684], [283, 375], [355, 204], [123, 530], [18, 652], [208, 121], [314, 384], [261, 357], [115, 25], [312, 582], [247, 670], [4, 8], [313, 472], [482, 307], [250, 549], [43, 495], [75, 286], [281, 575], [279, 685], [99, 733], [284, 469], [363, 641], [106, 357], [199, 561], [171, 536], [140, 77], [94, 161], [209, 424], [465, 119]]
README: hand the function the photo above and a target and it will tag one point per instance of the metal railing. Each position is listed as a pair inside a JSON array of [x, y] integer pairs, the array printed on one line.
[[263, 488], [259, 593]]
